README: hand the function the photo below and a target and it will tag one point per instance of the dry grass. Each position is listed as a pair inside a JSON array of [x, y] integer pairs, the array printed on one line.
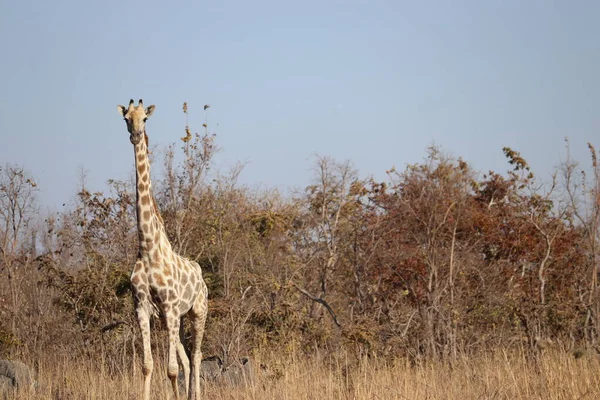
[[494, 375]]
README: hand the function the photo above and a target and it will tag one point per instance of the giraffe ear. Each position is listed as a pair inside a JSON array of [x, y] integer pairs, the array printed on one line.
[[149, 110], [121, 110]]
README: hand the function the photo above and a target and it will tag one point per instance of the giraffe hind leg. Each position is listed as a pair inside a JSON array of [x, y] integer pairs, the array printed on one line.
[[198, 315], [183, 358], [173, 323]]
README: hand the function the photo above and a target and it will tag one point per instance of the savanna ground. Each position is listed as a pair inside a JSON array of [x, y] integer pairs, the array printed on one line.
[[494, 375]]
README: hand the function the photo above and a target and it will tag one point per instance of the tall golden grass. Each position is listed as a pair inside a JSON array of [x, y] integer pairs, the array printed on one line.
[[490, 375]]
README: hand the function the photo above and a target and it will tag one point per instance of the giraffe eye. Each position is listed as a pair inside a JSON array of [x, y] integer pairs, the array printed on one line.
[[145, 119]]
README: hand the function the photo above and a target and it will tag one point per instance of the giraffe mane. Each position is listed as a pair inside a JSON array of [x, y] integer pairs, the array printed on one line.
[[156, 210], [154, 206]]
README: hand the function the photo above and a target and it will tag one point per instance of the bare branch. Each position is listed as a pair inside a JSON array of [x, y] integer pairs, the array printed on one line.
[[320, 301]]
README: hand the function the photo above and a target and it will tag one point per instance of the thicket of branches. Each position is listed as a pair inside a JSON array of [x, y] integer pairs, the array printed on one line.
[[438, 259]]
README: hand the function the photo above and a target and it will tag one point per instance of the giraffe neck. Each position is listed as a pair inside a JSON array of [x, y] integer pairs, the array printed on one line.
[[149, 222]]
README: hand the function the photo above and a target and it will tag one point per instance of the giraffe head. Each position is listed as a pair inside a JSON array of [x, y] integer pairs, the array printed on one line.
[[135, 117]]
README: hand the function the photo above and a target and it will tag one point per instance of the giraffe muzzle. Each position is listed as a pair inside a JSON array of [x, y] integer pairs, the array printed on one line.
[[135, 137]]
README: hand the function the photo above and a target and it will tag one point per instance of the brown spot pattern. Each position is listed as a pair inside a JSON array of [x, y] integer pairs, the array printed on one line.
[[158, 279]]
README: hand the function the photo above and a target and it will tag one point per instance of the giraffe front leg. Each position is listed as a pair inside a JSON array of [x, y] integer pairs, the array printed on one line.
[[144, 321]]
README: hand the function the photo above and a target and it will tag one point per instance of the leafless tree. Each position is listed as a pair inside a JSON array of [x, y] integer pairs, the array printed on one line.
[[583, 195], [18, 209]]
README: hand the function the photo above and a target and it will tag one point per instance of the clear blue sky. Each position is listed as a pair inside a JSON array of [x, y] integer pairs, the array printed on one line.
[[375, 82]]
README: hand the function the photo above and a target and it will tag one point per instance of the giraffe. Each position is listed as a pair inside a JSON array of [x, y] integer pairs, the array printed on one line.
[[163, 282]]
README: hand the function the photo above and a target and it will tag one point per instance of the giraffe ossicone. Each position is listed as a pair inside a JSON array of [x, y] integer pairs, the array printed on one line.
[[162, 280]]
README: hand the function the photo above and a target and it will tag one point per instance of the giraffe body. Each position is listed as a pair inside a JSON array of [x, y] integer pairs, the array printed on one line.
[[163, 282]]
